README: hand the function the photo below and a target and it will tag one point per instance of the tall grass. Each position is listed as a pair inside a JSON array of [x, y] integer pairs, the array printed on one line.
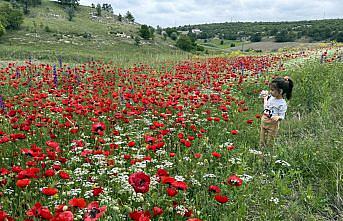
[[312, 143]]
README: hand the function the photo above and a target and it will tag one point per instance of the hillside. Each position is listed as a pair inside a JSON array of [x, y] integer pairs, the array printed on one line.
[[46, 34], [314, 30]]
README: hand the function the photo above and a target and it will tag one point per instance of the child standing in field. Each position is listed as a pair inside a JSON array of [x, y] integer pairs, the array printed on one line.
[[275, 108]]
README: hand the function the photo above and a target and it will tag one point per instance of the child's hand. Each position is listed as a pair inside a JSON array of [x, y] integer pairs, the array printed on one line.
[[264, 94], [275, 118]]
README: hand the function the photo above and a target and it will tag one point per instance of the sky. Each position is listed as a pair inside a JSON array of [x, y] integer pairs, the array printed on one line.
[[167, 13]]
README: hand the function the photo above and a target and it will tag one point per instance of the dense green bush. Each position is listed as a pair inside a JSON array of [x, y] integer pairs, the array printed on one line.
[[10, 18]]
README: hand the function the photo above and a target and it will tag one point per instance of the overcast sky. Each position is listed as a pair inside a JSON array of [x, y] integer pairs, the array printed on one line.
[[167, 13]]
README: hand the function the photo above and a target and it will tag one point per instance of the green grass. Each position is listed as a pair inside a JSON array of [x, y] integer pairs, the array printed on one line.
[[214, 45], [311, 142]]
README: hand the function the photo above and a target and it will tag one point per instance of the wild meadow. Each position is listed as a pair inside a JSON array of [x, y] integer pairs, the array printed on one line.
[[170, 141]]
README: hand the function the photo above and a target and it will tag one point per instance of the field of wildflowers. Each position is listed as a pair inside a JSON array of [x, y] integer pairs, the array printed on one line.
[[172, 142]]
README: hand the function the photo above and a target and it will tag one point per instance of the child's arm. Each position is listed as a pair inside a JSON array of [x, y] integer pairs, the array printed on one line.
[[264, 95], [280, 115]]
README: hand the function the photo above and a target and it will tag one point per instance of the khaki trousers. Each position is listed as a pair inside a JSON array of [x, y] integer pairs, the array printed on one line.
[[269, 130]]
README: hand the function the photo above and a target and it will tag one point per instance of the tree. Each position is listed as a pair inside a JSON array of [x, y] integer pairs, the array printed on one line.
[[165, 35], [284, 36], [339, 37], [2, 30], [109, 8], [256, 37], [137, 40], [173, 36], [144, 32], [98, 10], [14, 4], [70, 12], [159, 30], [26, 7], [70, 3], [152, 31], [202, 35], [10, 18], [185, 43], [170, 31], [129, 17], [3, 19], [230, 36], [120, 17], [273, 32]]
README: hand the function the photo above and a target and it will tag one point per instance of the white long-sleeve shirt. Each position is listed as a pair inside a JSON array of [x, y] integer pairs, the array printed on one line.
[[275, 107]]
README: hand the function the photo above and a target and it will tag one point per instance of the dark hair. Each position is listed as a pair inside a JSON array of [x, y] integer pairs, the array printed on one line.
[[284, 83]]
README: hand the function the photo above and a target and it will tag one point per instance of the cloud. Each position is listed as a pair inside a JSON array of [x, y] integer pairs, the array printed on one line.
[[168, 13]]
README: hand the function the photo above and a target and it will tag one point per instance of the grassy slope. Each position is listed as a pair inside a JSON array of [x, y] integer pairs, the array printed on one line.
[[66, 38]]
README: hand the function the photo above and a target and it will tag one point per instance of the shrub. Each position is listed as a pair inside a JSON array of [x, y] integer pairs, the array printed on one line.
[[47, 29], [2, 30], [184, 43]]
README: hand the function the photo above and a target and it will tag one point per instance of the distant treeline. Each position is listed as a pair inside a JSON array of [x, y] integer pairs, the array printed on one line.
[[315, 30]]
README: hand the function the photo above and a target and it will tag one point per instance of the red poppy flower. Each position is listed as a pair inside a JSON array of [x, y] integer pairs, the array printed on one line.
[[162, 172], [168, 180], [78, 202], [230, 147], [39, 211], [127, 156], [187, 143], [49, 191], [64, 175], [194, 219], [171, 191], [98, 128], [4, 216], [4, 171], [179, 185], [53, 145], [217, 155], [234, 181], [94, 212], [49, 173], [140, 215], [197, 155], [29, 173], [140, 182], [215, 189], [64, 216], [221, 198], [234, 132], [23, 183], [131, 143], [157, 211], [250, 121], [97, 191]]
